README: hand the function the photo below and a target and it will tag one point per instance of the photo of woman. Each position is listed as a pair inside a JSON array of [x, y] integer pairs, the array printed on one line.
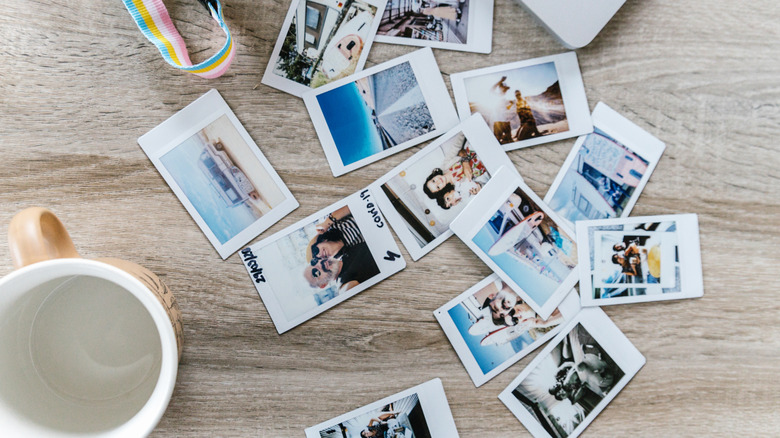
[[429, 193]]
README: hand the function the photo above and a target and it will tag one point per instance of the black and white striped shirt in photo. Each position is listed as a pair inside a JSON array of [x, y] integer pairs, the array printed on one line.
[[349, 229]]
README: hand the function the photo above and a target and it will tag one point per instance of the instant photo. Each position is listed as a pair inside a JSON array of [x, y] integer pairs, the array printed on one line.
[[574, 378], [491, 327], [639, 259], [381, 111], [418, 412], [527, 103], [422, 195], [606, 170], [322, 260], [322, 41], [465, 25], [522, 240], [218, 173]]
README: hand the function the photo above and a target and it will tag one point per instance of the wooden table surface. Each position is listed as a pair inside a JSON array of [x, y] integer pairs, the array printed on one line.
[[79, 84]]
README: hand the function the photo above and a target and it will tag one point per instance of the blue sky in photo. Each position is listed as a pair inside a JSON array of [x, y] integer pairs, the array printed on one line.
[[490, 356], [539, 287], [182, 163], [350, 124]]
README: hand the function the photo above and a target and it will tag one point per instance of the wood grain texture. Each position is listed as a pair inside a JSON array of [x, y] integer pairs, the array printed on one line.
[[80, 84]]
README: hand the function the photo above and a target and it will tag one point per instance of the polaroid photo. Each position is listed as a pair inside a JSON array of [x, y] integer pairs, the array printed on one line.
[[418, 412], [606, 170], [322, 260], [322, 41], [574, 378], [522, 240], [381, 111], [422, 195], [464, 25], [218, 173], [639, 259], [491, 327], [529, 102]]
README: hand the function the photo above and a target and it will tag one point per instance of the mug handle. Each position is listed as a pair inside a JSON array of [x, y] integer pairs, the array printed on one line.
[[35, 235]]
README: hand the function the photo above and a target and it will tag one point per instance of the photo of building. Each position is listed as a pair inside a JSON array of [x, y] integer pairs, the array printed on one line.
[[324, 41], [376, 112], [601, 180], [445, 21]]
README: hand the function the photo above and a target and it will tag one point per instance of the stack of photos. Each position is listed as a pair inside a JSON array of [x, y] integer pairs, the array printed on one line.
[[491, 327], [422, 195], [381, 111], [322, 260], [418, 412], [218, 173], [529, 102], [606, 170], [522, 240], [574, 378], [639, 259], [322, 41], [465, 25]]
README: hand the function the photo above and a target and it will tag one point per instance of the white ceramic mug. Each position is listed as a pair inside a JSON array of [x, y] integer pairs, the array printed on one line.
[[87, 347]]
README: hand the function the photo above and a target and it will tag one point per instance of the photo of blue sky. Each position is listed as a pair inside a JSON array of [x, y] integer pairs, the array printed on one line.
[[182, 163], [539, 287], [490, 356], [375, 113]]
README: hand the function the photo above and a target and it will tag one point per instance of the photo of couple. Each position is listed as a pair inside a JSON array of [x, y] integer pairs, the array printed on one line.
[[519, 104], [568, 384], [646, 255], [403, 418], [496, 324], [528, 246], [322, 260], [432, 191]]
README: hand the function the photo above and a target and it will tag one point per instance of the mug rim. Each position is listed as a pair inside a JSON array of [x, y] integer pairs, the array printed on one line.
[[143, 422]]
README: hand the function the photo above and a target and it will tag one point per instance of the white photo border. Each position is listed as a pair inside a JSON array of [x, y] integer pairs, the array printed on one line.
[[483, 207], [482, 142], [569, 307], [629, 135], [433, 402], [183, 125], [610, 339], [434, 91], [575, 102], [689, 248]]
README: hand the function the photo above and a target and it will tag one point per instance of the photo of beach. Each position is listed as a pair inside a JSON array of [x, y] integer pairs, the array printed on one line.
[[375, 113], [223, 179]]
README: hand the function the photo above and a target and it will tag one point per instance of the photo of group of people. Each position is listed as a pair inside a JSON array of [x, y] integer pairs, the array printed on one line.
[[324, 259], [491, 327], [639, 259], [519, 104], [324, 41], [404, 418], [630, 261], [566, 385], [528, 246], [443, 21], [600, 181]]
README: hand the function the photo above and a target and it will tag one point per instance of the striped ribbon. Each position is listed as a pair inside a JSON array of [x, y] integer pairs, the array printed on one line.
[[155, 23]]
